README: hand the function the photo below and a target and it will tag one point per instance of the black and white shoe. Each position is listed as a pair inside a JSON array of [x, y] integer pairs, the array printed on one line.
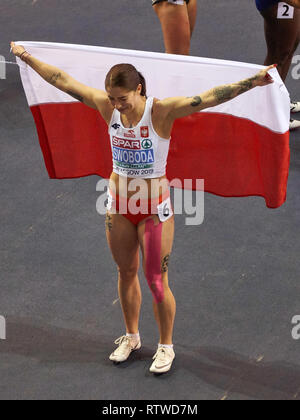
[[294, 124], [295, 107]]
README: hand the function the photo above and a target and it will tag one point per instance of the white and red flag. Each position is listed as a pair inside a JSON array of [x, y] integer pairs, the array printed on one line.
[[240, 148]]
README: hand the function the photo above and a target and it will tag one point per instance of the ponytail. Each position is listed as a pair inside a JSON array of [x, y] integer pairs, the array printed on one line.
[[143, 83]]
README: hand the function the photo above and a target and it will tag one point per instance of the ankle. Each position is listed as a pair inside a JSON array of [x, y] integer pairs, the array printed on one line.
[[134, 337], [167, 346]]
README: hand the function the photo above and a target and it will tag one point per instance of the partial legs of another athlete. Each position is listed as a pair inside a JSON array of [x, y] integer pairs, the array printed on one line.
[[282, 38], [177, 22]]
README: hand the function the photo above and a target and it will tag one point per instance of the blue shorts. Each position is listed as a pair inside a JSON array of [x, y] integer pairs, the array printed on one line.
[[264, 4], [170, 1]]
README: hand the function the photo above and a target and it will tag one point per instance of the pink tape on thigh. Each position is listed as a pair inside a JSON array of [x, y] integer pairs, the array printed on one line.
[[152, 237]]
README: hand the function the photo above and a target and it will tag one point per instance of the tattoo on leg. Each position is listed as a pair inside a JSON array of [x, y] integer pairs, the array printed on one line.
[[165, 263], [108, 222]]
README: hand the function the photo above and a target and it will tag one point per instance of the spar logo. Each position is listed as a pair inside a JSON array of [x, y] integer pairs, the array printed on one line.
[[146, 144], [126, 143]]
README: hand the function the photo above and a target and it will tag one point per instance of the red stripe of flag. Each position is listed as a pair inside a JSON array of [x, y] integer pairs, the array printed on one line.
[[236, 157]]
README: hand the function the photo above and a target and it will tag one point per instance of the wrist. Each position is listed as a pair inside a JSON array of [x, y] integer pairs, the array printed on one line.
[[24, 56]]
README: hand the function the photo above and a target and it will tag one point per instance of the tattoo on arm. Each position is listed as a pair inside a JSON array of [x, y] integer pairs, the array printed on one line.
[[75, 96], [225, 93], [196, 101], [53, 79], [247, 84]]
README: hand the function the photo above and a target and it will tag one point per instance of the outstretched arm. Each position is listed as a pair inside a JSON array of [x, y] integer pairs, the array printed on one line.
[[92, 97], [181, 107]]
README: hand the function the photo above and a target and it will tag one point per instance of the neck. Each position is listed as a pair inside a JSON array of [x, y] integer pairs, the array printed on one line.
[[134, 117]]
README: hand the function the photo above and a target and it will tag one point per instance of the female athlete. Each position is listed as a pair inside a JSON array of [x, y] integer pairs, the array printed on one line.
[[141, 125]]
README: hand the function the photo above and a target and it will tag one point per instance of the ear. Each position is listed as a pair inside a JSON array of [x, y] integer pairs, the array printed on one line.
[[139, 89]]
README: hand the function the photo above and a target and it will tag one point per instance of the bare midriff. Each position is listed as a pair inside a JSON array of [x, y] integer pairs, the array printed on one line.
[[147, 188]]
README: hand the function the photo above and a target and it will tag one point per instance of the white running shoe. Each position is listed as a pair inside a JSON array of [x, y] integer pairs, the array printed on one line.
[[163, 360], [294, 124], [295, 106], [126, 346]]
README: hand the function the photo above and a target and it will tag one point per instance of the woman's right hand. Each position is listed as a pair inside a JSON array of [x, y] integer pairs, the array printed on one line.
[[17, 50]]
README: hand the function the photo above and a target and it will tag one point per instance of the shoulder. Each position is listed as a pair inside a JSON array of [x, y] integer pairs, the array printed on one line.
[[159, 108], [104, 107]]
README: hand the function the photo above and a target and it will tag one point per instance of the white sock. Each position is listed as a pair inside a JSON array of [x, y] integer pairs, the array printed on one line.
[[135, 337], [167, 346]]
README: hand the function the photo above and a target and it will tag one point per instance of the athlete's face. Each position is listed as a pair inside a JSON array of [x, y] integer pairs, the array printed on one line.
[[125, 101]]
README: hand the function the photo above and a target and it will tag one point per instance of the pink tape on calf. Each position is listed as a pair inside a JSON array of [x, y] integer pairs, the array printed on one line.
[[153, 236]]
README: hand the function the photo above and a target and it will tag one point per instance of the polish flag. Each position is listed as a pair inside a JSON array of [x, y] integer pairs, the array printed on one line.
[[240, 148]]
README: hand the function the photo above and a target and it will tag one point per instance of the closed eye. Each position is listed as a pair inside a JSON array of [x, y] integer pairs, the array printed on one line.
[[120, 99]]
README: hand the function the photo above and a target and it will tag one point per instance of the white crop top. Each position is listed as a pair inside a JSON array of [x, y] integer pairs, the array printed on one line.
[[138, 152]]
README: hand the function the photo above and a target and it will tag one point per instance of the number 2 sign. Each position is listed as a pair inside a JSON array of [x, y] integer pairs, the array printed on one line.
[[285, 11]]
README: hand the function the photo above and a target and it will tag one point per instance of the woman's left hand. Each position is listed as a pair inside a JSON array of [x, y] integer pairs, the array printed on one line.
[[263, 78]]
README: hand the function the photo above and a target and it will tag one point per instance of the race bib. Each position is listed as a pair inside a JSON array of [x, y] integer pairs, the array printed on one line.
[[109, 205], [165, 210], [285, 11]]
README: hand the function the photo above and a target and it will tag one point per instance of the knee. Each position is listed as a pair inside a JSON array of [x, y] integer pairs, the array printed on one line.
[[128, 274], [158, 284]]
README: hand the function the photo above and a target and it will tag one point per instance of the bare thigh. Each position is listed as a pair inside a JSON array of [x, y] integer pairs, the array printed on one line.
[[192, 12], [122, 239], [167, 239], [176, 27]]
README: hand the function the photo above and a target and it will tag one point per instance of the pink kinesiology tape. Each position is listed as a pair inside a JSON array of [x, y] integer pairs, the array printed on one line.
[[153, 236]]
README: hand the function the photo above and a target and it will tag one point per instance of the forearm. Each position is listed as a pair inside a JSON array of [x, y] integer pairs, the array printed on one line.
[[51, 74], [221, 94], [182, 107]]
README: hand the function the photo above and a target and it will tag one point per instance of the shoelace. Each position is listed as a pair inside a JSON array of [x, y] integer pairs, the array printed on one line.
[[122, 339], [160, 355]]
